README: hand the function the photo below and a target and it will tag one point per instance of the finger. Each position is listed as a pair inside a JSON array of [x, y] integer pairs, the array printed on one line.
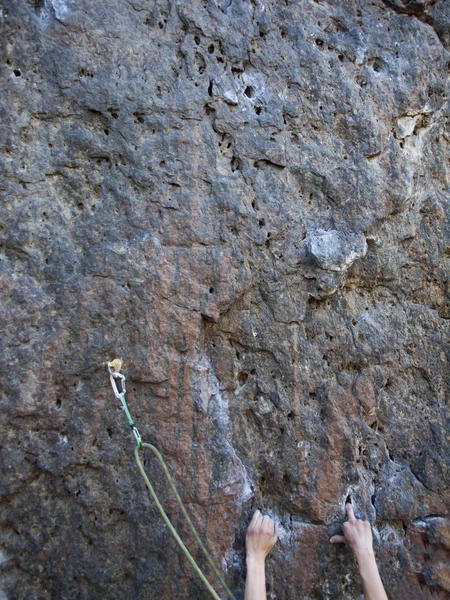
[[337, 539], [267, 523], [255, 518], [275, 531], [271, 527], [350, 514]]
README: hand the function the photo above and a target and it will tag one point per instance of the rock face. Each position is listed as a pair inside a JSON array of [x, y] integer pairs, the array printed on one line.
[[246, 201]]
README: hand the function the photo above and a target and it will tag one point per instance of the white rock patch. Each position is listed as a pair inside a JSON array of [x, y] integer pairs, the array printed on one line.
[[335, 250]]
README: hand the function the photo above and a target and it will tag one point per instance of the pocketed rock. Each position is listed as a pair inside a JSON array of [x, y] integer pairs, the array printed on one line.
[[248, 203]]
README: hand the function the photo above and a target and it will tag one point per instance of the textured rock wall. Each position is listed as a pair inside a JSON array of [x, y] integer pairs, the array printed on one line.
[[248, 202]]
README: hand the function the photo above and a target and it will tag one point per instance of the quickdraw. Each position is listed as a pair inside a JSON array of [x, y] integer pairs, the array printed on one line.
[[114, 368]]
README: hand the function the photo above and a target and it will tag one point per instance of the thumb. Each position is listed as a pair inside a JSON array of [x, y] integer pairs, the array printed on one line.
[[338, 539]]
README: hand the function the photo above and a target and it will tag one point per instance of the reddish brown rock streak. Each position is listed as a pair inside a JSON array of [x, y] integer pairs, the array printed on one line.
[[248, 202]]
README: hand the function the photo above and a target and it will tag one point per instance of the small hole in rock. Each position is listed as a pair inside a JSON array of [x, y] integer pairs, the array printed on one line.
[[249, 91], [235, 164], [377, 65], [242, 378]]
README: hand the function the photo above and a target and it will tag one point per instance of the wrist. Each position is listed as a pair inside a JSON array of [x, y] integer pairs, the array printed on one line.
[[363, 549], [255, 560], [364, 555]]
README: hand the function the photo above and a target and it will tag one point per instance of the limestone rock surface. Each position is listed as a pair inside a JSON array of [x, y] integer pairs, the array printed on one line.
[[246, 201]]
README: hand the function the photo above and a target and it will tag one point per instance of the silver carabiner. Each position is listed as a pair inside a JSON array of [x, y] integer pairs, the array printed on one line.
[[137, 435], [116, 375]]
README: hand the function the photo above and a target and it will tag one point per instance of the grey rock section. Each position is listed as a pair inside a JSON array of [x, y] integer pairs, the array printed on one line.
[[248, 202], [334, 250]]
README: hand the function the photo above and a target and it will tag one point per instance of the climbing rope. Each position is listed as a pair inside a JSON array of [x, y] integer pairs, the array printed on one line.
[[114, 368]]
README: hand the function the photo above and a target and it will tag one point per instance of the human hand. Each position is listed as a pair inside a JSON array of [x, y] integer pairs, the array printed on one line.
[[261, 537], [357, 534]]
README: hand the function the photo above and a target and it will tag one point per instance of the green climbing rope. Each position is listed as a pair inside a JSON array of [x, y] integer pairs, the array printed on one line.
[[114, 372]]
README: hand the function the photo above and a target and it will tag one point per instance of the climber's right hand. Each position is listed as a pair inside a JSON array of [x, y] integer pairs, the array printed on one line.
[[357, 534]]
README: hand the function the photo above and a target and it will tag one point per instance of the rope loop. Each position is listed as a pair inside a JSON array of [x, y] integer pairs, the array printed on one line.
[[114, 373]]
